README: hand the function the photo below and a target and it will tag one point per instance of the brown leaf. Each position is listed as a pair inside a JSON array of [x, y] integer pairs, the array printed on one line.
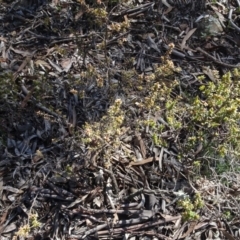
[[38, 156], [40, 62], [23, 53], [228, 235], [2, 220], [190, 229], [140, 143], [148, 160], [188, 35], [26, 99], [54, 65], [23, 65], [66, 64]]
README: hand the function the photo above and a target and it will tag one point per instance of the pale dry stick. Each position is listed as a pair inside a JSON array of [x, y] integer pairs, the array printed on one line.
[[142, 162], [119, 223], [126, 178], [92, 218], [144, 177], [174, 51], [215, 60], [139, 12], [144, 225], [132, 195], [116, 38], [147, 127], [30, 210], [129, 212], [157, 192], [168, 26], [142, 203], [132, 10], [119, 232], [113, 178], [122, 225], [93, 230], [160, 159], [141, 220], [128, 205], [61, 192], [166, 4], [231, 21]]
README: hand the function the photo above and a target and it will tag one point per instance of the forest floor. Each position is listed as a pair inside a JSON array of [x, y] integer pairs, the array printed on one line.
[[119, 119]]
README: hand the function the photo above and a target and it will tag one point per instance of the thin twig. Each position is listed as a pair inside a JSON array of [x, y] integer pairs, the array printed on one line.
[[139, 225], [39, 105], [231, 21], [215, 60], [113, 179]]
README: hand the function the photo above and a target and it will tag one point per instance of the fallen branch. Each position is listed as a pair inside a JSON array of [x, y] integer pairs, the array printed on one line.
[[217, 61]]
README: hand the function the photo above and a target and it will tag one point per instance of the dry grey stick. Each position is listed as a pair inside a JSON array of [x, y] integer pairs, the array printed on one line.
[[113, 179], [231, 21], [141, 224], [174, 51], [217, 61], [82, 210], [132, 10], [132, 195], [93, 230], [142, 218]]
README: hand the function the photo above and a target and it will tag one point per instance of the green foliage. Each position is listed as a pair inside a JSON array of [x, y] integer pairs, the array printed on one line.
[[222, 167], [25, 230], [105, 133], [8, 87], [69, 169], [210, 118], [34, 223], [189, 207], [225, 166], [98, 15], [119, 27], [228, 215], [108, 129], [215, 112]]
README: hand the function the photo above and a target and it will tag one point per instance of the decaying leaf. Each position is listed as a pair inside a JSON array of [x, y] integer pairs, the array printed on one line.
[[37, 156]]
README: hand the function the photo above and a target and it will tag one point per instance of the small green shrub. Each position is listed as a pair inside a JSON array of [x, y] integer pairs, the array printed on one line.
[[209, 118], [104, 135], [26, 229], [189, 207]]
